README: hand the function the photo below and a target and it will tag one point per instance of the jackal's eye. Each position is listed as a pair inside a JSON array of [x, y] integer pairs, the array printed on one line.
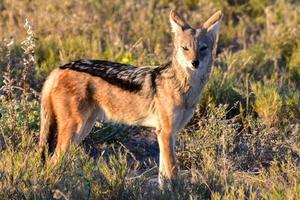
[[203, 48], [185, 48]]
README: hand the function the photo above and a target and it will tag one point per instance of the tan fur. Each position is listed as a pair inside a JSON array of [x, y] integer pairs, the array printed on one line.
[[72, 101]]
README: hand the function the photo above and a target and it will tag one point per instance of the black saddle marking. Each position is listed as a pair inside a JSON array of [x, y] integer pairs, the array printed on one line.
[[125, 76]]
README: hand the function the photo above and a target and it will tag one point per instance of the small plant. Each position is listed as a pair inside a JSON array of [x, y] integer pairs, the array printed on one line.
[[268, 103]]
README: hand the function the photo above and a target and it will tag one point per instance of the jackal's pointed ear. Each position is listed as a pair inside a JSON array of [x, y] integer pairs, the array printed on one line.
[[177, 22], [212, 25]]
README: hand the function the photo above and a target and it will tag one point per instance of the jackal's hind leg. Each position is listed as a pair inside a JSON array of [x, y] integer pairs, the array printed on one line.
[[65, 136], [73, 131], [87, 128], [70, 131]]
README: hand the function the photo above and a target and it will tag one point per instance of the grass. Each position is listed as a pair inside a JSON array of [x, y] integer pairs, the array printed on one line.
[[242, 143]]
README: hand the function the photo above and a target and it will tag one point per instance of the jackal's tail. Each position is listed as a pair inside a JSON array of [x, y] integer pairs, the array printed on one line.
[[48, 125]]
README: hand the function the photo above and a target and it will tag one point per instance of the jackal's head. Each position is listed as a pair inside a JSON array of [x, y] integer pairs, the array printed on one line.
[[194, 47]]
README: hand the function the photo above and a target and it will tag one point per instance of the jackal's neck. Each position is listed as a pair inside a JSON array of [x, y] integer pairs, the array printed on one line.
[[180, 77]]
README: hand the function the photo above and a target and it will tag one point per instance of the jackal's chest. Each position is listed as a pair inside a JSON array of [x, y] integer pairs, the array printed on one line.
[[192, 97], [181, 117], [190, 102]]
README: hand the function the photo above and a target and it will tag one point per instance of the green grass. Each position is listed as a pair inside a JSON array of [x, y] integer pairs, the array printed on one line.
[[242, 143]]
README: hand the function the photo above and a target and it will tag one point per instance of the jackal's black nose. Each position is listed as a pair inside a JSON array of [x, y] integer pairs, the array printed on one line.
[[195, 63]]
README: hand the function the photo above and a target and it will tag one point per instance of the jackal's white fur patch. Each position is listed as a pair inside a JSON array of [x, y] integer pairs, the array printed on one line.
[[182, 60]]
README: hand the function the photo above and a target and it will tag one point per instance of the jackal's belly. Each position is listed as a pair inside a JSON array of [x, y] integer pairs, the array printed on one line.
[[140, 119], [131, 110]]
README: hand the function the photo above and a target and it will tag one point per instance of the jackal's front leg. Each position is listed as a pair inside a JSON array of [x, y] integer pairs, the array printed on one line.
[[167, 161]]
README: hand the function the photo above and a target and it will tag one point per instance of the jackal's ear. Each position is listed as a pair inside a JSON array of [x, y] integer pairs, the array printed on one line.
[[212, 25], [177, 22]]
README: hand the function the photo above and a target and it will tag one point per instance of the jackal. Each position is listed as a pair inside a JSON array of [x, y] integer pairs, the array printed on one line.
[[75, 95]]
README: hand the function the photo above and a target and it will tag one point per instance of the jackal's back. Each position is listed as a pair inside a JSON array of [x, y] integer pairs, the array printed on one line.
[[127, 77]]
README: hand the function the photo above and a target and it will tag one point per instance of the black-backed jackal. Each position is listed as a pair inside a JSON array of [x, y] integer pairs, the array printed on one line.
[[165, 97]]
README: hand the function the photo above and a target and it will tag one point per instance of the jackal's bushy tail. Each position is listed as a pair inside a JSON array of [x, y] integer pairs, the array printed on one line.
[[48, 121]]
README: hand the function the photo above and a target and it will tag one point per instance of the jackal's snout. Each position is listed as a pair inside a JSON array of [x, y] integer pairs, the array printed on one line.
[[195, 63]]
